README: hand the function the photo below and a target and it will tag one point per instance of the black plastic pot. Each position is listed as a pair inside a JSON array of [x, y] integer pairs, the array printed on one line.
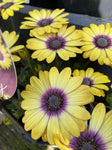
[[89, 7], [43, 3]]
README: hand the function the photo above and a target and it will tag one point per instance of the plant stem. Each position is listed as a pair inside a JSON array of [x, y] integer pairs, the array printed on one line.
[[12, 22], [30, 66]]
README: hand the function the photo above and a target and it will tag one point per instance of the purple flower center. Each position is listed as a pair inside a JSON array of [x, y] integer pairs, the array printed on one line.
[[1, 56], [88, 141], [55, 43], [102, 41], [45, 22], [6, 5], [87, 81], [53, 101]]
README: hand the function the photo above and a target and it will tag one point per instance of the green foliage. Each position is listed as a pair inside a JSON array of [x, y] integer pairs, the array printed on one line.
[[15, 108], [109, 100], [7, 121]]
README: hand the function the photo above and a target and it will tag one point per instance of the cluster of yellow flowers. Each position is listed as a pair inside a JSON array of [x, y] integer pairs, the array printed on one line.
[[54, 101]]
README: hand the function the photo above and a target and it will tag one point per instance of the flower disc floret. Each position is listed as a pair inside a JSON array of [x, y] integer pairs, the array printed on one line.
[[11, 39], [5, 60], [64, 43], [97, 43], [52, 103], [45, 21], [95, 80], [7, 7], [98, 133]]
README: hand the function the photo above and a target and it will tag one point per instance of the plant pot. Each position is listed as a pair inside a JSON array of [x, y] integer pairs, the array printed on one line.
[[89, 7], [43, 3]]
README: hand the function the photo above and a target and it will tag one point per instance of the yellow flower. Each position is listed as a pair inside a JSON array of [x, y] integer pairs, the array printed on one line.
[[53, 104], [95, 80], [62, 43], [11, 38], [97, 135], [45, 21], [5, 60], [97, 43], [7, 7]]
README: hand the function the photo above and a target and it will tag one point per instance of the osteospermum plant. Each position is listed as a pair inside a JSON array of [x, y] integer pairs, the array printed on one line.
[[97, 43], [45, 21], [64, 43], [95, 80], [5, 60], [11, 39], [98, 132], [7, 7], [53, 105]]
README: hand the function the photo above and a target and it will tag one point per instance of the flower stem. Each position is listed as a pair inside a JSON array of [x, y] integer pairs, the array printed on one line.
[[30, 66], [12, 22]]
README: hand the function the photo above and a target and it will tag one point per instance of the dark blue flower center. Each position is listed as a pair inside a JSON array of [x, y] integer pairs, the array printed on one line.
[[55, 44], [87, 81], [45, 22], [102, 42], [87, 146], [54, 101], [6, 5], [87, 141]]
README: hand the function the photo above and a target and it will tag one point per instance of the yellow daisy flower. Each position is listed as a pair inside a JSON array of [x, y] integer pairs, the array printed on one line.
[[97, 135], [53, 103], [5, 60], [45, 21], [11, 38], [7, 7], [62, 43], [95, 80], [97, 42]]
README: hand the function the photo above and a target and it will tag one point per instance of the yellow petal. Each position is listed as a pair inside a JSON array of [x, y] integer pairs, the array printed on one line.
[[96, 91], [95, 54], [29, 104], [39, 129], [76, 72], [29, 113], [106, 128], [107, 29], [56, 12], [101, 28], [53, 76], [67, 121], [73, 83], [80, 96], [87, 47], [43, 13], [34, 120], [36, 83], [52, 129], [97, 117], [78, 112], [89, 72], [101, 79], [63, 78], [16, 58], [109, 54], [51, 57], [101, 86], [88, 31], [63, 54], [17, 48], [44, 79], [95, 29]]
